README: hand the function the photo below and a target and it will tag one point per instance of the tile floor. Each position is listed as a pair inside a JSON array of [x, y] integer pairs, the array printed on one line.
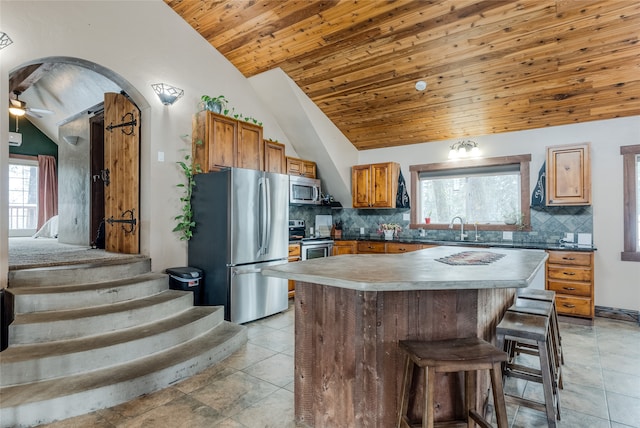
[[254, 386]]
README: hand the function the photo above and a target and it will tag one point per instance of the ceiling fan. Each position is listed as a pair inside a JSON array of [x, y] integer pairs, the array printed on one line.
[[19, 107]]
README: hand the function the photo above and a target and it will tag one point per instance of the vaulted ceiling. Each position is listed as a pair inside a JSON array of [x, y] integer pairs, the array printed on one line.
[[490, 66]]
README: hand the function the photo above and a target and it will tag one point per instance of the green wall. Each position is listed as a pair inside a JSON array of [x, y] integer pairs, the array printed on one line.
[[34, 142]]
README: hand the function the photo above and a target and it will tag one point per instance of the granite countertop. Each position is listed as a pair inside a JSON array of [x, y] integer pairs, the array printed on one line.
[[418, 270], [490, 244]]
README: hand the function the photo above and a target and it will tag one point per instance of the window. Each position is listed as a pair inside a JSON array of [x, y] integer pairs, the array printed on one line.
[[631, 186], [490, 192], [23, 197]]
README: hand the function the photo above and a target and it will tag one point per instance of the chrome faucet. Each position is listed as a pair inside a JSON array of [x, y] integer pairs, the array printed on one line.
[[462, 235]]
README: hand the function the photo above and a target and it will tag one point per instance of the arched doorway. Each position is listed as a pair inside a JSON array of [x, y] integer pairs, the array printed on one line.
[[74, 89]]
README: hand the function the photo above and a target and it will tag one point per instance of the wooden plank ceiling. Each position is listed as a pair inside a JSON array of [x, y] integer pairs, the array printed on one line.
[[491, 66]]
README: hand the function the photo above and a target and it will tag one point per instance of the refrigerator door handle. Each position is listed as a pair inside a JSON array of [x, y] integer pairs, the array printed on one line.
[[262, 213], [238, 271], [267, 223]]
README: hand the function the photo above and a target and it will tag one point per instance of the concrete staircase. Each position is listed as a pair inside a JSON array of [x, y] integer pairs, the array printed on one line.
[[91, 336]]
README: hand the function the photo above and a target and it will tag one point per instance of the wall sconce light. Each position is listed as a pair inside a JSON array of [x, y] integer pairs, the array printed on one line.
[[168, 94], [71, 139], [464, 149], [5, 40]]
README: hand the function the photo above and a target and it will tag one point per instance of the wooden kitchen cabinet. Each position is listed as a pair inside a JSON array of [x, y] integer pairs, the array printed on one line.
[[294, 256], [568, 175], [400, 247], [371, 247], [220, 141], [570, 275], [301, 167], [374, 185], [250, 151], [274, 158], [345, 247]]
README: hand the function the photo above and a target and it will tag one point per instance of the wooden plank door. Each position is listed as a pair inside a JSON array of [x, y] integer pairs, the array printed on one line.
[[122, 174]]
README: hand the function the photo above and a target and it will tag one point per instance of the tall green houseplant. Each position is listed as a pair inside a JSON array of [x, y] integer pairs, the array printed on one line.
[[185, 223]]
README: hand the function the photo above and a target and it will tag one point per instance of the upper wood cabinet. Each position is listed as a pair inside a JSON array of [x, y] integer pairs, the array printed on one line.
[[301, 167], [568, 175], [374, 185], [226, 142], [274, 158]]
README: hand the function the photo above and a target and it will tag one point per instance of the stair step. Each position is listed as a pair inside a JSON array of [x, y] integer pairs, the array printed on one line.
[[50, 400], [75, 296], [48, 360], [70, 324], [81, 273]]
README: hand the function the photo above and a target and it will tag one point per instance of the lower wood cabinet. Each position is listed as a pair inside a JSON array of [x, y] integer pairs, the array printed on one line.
[[570, 275], [294, 256], [371, 247], [345, 247], [380, 247]]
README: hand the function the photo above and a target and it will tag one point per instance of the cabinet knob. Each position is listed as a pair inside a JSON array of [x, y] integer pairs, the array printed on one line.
[[569, 288], [569, 273], [567, 305], [568, 258]]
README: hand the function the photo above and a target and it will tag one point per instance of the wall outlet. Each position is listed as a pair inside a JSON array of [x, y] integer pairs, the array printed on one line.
[[362, 231], [160, 156], [507, 236], [406, 216]]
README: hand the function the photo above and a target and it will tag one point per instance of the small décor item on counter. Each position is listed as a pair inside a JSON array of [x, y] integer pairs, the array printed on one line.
[[336, 230], [389, 230]]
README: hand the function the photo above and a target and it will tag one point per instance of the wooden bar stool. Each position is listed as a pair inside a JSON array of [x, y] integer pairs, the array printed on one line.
[[541, 308], [533, 330], [453, 355], [546, 296]]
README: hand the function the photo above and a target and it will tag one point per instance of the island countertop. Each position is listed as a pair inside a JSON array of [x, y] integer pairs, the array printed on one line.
[[418, 270]]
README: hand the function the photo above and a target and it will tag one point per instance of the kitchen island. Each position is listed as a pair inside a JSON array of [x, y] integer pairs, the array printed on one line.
[[351, 311]]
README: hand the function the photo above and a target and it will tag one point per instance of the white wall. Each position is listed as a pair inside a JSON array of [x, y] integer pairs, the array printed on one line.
[[145, 42], [617, 283]]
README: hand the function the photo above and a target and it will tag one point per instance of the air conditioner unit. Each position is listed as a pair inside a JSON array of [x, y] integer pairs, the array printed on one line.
[[15, 138]]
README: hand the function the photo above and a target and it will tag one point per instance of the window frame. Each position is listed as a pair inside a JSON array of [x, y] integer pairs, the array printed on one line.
[[631, 252], [525, 204]]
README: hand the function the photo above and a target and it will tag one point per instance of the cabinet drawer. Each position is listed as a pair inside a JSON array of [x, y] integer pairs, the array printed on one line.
[[569, 273], [371, 247], [294, 250], [573, 288], [569, 258], [571, 305], [399, 247]]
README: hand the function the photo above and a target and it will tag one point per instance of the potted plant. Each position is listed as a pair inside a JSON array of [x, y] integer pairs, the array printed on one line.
[[214, 104], [427, 219], [185, 223], [390, 229]]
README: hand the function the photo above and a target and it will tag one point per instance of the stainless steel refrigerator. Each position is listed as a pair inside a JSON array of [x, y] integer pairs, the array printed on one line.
[[241, 218]]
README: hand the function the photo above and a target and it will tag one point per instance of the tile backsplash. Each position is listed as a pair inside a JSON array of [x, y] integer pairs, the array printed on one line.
[[548, 224]]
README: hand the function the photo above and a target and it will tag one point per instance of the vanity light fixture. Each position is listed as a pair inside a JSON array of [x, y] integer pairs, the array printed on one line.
[[464, 149], [5, 40], [168, 94]]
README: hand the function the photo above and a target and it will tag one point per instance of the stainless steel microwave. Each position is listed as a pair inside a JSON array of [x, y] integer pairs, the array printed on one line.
[[303, 190]]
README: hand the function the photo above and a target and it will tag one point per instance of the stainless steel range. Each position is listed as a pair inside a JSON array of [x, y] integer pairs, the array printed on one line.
[[312, 247]]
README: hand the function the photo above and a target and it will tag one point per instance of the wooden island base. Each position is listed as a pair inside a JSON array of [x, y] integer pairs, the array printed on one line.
[[348, 369]]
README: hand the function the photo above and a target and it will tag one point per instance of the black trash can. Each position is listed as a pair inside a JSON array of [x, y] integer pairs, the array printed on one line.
[[6, 317], [189, 279]]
